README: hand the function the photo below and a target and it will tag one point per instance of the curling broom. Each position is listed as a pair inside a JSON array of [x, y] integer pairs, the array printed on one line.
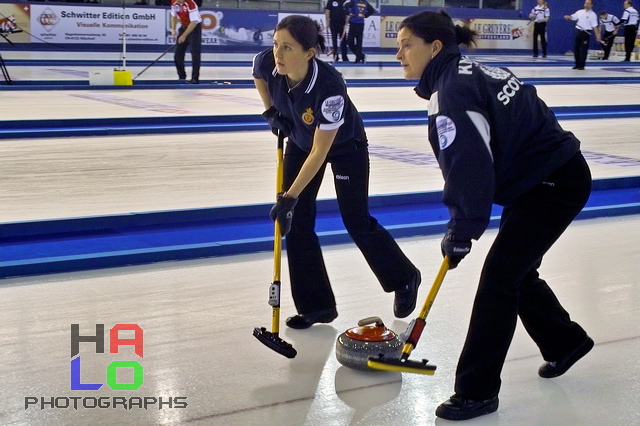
[[271, 339], [404, 364]]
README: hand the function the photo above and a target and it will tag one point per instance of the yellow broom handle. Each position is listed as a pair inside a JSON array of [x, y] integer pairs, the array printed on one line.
[[431, 297], [435, 288], [277, 239]]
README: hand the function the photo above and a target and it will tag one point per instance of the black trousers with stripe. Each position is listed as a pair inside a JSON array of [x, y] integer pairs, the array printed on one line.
[[310, 283], [510, 286]]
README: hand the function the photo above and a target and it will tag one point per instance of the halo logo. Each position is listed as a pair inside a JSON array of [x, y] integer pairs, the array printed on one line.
[[48, 19], [128, 402], [115, 342]]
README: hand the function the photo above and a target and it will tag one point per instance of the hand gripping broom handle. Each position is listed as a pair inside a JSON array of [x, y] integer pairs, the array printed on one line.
[[274, 293], [418, 324]]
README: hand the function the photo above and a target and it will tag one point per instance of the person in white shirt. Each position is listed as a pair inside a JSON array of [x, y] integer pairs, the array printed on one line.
[[586, 21], [540, 15], [610, 25], [630, 22]]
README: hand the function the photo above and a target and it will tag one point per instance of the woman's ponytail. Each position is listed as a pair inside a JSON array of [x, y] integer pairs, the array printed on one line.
[[465, 35]]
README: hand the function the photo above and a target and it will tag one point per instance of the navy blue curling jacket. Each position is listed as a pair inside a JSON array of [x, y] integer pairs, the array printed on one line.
[[319, 101], [493, 136]]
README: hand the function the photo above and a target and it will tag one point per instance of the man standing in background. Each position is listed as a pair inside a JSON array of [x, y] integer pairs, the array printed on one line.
[[630, 22], [540, 15], [334, 13], [189, 35], [586, 21], [357, 11]]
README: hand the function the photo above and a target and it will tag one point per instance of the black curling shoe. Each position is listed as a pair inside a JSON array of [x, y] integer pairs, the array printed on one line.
[[307, 320], [458, 408], [405, 300], [558, 368]]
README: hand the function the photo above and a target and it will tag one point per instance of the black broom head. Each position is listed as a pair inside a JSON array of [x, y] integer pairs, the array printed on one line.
[[272, 341], [403, 366]]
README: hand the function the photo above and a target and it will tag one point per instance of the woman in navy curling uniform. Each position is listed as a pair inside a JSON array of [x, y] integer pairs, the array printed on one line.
[[497, 142], [307, 99]]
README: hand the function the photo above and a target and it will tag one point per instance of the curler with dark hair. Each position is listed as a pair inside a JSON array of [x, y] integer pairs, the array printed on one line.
[[305, 31], [431, 26]]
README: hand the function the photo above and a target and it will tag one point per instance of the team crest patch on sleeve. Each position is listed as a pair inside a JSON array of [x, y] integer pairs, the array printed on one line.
[[446, 131], [307, 116], [332, 108]]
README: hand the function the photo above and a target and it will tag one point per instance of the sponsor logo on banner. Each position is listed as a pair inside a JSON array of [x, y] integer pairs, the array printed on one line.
[[13, 18], [390, 25], [492, 33], [502, 33], [48, 19], [96, 25], [8, 24]]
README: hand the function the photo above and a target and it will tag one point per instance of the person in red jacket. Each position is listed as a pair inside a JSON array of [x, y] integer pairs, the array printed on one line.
[[189, 35]]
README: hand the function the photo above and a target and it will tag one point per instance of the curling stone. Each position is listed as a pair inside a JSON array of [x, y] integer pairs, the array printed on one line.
[[370, 338]]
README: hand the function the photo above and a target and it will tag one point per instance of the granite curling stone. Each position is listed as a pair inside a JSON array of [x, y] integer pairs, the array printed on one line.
[[370, 338]]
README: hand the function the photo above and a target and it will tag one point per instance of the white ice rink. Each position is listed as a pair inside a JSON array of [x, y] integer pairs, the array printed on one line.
[[198, 316]]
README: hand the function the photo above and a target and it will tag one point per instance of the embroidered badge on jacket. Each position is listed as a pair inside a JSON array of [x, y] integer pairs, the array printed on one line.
[[307, 116]]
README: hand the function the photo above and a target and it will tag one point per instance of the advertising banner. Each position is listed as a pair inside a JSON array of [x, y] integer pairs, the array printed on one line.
[[14, 18], [96, 25], [233, 28], [492, 33], [501, 33], [389, 26]]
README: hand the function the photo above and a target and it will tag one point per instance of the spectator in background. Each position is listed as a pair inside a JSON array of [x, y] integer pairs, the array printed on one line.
[[141, 3], [540, 15], [189, 35], [630, 22], [610, 25], [335, 14], [357, 11], [586, 22]]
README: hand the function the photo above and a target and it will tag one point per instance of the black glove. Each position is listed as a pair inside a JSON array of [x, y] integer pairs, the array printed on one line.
[[283, 211], [277, 121], [454, 247]]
